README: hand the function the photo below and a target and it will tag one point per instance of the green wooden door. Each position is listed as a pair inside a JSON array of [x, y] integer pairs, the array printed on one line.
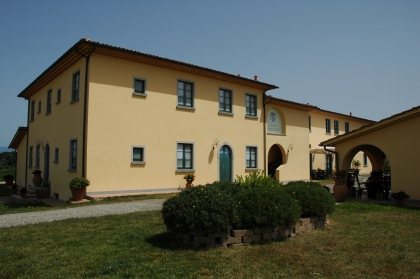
[[225, 164]]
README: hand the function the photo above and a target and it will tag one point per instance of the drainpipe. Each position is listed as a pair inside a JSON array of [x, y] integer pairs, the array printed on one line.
[[87, 57], [336, 157], [265, 132], [27, 146]]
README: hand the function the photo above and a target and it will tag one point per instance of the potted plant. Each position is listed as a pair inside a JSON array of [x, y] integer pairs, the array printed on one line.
[[37, 179], [356, 164], [78, 187], [189, 178], [8, 179], [340, 187], [400, 197]]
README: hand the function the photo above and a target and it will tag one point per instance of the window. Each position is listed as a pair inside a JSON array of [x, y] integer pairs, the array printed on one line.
[[251, 105], [32, 111], [31, 156], [49, 101], [184, 157], [310, 123], [327, 126], [185, 94], [225, 100], [58, 96], [346, 127], [75, 87], [37, 155], [251, 157], [56, 155], [336, 130], [365, 160], [137, 155], [73, 155], [39, 107], [139, 86]]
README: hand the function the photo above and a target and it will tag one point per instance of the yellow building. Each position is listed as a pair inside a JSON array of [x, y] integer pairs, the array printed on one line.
[[132, 122]]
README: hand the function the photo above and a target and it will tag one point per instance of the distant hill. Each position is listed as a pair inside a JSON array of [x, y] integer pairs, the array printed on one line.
[[5, 149]]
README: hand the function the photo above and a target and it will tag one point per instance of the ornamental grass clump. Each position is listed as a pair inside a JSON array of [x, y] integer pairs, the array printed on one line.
[[256, 179], [265, 206], [312, 198], [201, 209]]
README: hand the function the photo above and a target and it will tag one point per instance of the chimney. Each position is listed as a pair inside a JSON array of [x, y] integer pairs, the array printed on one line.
[[239, 75], [256, 78], [350, 113]]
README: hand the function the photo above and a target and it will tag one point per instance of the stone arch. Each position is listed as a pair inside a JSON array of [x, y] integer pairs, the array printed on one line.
[[276, 157], [376, 156]]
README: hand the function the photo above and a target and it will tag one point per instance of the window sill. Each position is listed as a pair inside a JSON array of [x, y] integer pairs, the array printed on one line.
[[273, 134], [186, 108], [251, 116], [185, 170], [55, 162], [139, 94], [138, 163], [31, 120], [365, 166], [226, 113], [38, 112], [328, 133], [74, 101], [47, 113], [58, 103], [251, 169]]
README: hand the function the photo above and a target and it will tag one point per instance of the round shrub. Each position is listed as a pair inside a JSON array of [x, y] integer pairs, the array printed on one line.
[[265, 206], [312, 198], [203, 209], [79, 182]]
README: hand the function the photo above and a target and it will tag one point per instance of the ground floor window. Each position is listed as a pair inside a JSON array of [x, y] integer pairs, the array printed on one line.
[[251, 157], [137, 155], [184, 156], [73, 155]]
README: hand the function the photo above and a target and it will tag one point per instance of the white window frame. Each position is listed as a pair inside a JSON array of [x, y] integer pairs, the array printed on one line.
[[253, 147], [144, 81], [143, 161], [256, 106], [192, 157]]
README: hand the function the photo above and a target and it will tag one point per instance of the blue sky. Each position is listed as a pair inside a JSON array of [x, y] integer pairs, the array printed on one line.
[[345, 56]]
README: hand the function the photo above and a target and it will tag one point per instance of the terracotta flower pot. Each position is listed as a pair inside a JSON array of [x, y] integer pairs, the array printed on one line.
[[78, 193], [340, 190], [37, 180], [189, 183], [9, 182]]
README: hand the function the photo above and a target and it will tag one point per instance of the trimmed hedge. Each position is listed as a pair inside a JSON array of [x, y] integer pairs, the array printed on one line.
[[203, 209], [265, 206], [312, 198]]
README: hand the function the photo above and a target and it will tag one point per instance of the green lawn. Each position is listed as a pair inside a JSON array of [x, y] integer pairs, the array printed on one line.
[[361, 241]]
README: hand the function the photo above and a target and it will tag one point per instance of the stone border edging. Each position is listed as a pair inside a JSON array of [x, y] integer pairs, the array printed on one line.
[[246, 237]]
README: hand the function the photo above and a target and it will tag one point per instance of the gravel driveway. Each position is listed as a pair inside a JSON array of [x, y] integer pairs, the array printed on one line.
[[19, 219]]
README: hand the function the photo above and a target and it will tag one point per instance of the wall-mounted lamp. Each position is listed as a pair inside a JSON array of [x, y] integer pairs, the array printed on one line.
[[215, 143], [289, 148], [38, 142]]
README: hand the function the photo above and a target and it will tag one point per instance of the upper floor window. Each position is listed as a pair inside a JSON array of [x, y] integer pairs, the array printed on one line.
[[310, 123], [32, 111], [137, 155], [139, 86], [346, 127], [184, 157], [56, 152], [39, 107], [225, 100], [251, 157], [49, 101], [251, 105], [75, 87], [336, 128], [58, 96], [328, 126], [185, 94]]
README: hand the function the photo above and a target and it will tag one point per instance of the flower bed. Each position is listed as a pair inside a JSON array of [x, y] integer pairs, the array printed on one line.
[[246, 237]]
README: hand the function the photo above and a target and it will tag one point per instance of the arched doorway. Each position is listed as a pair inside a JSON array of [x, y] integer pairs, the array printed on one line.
[[225, 163], [275, 159], [47, 164]]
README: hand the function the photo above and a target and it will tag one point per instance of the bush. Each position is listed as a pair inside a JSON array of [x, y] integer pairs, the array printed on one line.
[[203, 209], [256, 179], [79, 182], [265, 206], [312, 198]]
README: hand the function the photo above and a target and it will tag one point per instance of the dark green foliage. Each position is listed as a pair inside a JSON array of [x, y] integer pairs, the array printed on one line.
[[265, 206], [204, 209], [256, 179], [312, 198], [79, 182]]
